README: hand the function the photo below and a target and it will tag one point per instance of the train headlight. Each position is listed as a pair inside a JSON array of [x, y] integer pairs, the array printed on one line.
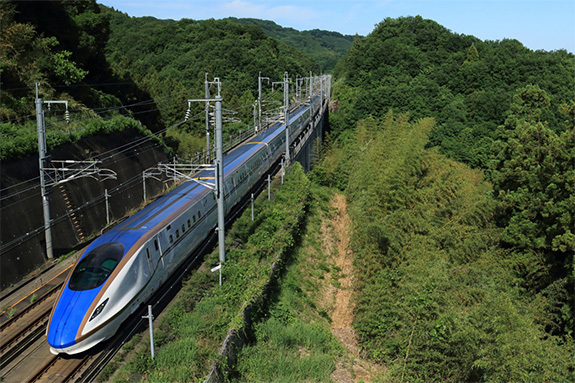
[[99, 309]]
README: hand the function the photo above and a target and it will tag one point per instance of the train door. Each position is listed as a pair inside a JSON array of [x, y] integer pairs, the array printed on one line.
[[154, 253]]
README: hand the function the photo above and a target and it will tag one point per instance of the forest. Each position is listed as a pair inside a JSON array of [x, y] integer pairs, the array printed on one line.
[[324, 47], [456, 156], [106, 63]]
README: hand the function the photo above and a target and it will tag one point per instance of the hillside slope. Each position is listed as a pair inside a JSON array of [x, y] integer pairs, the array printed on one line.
[[415, 65], [325, 47], [445, 289]]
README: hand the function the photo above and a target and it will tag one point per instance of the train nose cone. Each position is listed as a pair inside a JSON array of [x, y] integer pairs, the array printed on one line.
[[67, 317]]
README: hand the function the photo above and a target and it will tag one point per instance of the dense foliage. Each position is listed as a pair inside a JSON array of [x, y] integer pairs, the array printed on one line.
[[104, 61], [416, 65], [532, 170], [61, 46], [325, 47], [169, 60], [56, 43], [463, 274], [440, 297]]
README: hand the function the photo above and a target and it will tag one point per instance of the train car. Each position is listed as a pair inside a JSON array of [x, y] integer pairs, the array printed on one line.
[[120, 270]]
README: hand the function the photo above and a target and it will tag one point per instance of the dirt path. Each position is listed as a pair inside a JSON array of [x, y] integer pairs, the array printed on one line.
[[342, 317], [353, 368]]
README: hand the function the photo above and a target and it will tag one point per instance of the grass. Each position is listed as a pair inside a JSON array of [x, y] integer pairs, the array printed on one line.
[[189, 333], [293, 341]]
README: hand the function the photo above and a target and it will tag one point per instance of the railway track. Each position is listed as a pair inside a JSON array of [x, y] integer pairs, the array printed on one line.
[[23, 343], [23, 321], [26, 325], [12, 311], [59, 369], [22, 340]]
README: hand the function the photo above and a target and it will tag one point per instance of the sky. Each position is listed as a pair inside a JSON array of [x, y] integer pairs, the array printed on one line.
[[538, 24]]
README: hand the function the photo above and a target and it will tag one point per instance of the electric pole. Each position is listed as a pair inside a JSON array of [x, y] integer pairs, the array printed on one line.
[[310, 92], [260, 78], [43, 164], [286, 115], [207, 96], [69, 170], [218, 185], [220, 179]]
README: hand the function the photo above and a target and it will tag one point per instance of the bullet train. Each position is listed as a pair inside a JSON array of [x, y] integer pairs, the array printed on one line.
[[121, 269]]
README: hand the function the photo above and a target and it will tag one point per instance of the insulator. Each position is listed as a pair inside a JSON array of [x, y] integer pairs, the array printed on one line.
[[67, 116], [188, 112]]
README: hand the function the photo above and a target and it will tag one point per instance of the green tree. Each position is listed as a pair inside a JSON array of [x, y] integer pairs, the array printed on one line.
[[65, 71], [529, 103], [533, 177], [472, 54]]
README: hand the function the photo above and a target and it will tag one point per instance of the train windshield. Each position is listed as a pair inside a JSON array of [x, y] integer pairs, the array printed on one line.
[[96, 267]]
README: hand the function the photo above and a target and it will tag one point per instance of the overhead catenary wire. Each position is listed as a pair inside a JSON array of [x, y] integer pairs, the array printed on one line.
[[116, 151], [101, 156], [126, 184], [30, 234], [105, 156], [104, 110], [142, 103]]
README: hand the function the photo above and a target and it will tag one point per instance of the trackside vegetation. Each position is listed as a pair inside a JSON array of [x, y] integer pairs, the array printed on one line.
[[17, 141], [440, 295], [456, 156], [292, 340], [189, 335]]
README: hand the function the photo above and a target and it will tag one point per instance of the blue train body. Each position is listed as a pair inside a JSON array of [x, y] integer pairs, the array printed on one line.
[[121, 269]]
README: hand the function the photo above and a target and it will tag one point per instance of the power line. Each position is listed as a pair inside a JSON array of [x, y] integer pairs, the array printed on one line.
[[128, 146], [17, 241], [101, 156]]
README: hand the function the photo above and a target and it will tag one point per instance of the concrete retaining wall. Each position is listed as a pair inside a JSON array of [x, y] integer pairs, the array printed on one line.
[[77, 208]]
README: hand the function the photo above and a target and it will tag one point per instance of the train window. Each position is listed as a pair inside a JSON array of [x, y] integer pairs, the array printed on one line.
[[189, 224], [96, 266], [199, 214], [169, 227], [171, 238], [148, 253], [177, 233], [194, 218], [183, 228], [156, 244]]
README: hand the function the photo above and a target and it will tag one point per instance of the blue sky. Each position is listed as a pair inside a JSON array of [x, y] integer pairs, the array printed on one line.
[[538, 24]]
